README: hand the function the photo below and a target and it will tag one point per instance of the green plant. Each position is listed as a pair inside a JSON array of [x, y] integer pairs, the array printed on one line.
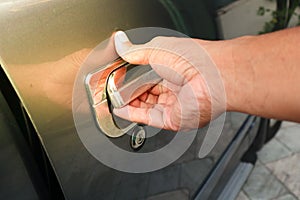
[[281, 17]]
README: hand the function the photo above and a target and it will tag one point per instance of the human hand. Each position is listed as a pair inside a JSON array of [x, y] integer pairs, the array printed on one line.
[[191, 93]]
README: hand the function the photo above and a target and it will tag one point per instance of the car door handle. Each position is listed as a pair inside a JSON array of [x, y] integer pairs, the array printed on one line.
[[122, 94], [114, 86]]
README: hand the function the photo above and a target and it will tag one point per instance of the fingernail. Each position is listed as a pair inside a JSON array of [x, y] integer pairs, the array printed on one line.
[[122, 43], [117, 112], [121, 37], [120, 112]]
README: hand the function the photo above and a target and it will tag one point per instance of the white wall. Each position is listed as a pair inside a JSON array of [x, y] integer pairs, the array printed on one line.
[[240, 18]]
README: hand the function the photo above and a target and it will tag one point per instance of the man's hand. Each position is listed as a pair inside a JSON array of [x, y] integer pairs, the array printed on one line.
[[183, 100]]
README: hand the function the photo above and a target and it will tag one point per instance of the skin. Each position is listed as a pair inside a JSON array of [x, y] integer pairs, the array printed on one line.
[[260, 74], [263, 75]]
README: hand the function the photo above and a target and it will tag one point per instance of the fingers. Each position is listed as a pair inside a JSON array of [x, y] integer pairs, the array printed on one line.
[[128, 51], [149, 116], [158, 95], [164, 87], [146, 100], [166, 55], [158, 89]]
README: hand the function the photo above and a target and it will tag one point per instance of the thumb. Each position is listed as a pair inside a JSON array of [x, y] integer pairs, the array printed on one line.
[[135, 54], [157, 53]]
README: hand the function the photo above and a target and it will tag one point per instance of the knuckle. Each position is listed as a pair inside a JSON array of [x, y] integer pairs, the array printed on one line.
[[156, 39]]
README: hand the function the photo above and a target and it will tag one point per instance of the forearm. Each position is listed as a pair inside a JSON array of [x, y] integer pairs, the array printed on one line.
[[262, 74]]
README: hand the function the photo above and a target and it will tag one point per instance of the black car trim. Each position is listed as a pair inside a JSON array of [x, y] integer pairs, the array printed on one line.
[[209, 184], [45, 177]]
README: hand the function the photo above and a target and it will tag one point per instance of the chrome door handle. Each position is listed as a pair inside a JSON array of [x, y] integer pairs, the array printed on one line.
[[125, 93], [108, 86]]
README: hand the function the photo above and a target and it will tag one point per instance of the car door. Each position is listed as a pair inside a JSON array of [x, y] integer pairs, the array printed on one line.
[[37, 34]]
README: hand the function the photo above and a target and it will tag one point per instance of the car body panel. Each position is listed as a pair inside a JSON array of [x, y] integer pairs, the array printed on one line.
[[36, 34]]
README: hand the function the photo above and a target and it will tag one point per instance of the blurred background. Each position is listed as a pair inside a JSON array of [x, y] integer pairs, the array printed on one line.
[[276, 174]]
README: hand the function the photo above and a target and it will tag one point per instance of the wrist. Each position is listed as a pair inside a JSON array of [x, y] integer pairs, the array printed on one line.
[[229, 58], [242, 78]]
